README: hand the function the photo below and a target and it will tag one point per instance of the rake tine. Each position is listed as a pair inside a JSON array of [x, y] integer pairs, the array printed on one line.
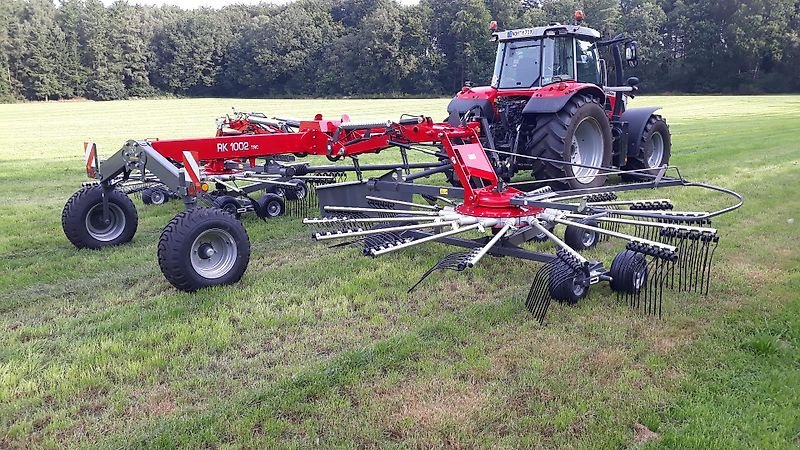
[[454, 261], [710, 261]]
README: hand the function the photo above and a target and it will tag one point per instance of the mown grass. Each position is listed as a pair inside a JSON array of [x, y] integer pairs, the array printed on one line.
[[324, 347]]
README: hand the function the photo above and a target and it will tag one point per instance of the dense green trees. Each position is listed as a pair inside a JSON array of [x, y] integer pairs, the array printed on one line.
[[81, 48]]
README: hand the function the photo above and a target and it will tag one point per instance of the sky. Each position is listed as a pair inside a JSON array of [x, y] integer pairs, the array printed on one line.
[[189, 4]]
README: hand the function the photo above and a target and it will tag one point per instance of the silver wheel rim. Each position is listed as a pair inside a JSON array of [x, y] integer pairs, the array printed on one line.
[[586, 149], [273, 208], [300, 192], [577, 289], [157, 196], [214, 253], [638, 279], [588, 238], [656, 150], [99, 229]]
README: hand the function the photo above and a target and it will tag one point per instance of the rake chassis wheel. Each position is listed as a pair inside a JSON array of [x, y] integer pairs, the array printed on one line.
[[87, 225], [203, 247]]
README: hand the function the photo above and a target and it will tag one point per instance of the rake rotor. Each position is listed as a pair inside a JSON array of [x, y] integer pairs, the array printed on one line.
[[663, 247]]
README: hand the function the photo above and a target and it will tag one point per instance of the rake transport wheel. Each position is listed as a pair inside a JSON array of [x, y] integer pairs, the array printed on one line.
[[628, 272], [203, 247], [85, 224], [654, 150], [580, 239], [566, 285], [271, 205], [154, 196], [578, 134]]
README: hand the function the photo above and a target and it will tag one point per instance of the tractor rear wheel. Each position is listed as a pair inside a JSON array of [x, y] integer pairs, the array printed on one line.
[[654, 149], [203, 247], [578, 134], [87, 226]]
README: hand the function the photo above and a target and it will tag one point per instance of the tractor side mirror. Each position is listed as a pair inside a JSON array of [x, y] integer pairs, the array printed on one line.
[[603, 73], [631, 54]]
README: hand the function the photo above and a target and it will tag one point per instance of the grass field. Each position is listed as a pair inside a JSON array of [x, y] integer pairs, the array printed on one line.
[[320, 347]]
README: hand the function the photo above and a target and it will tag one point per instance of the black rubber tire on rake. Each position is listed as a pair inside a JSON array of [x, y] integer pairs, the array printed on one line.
[[299, 192], [228, 204], [628, 272], [179, 236], [84, 210], [271, 205], [566, 285], [552, 139], [154, 196], [580, 239]]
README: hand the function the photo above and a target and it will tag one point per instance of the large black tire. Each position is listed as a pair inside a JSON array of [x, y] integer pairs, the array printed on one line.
[[553, 139], [82, 218], [654, 150], [203, 247]]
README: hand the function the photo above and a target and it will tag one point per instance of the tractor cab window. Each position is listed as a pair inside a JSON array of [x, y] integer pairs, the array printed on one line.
[[517, 65], [558, 60], [587, 62]]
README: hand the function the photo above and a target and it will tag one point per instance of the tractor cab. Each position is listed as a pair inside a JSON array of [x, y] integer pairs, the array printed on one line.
[[536, 57]]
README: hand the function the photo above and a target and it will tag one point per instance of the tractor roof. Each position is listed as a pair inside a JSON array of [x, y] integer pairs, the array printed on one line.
[[550, 30]]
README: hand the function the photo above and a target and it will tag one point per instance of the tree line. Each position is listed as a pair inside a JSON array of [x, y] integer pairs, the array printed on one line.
[[81, 48]]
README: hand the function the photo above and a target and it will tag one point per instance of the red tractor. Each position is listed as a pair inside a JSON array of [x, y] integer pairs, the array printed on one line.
[[550, 109]]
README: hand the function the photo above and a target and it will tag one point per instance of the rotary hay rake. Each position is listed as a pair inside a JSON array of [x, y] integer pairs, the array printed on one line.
[[250, 164], [664, 248]]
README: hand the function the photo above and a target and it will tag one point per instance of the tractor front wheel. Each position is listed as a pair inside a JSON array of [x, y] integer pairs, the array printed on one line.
[[203, 247], [575, 144], [654, 149], [87, 225]]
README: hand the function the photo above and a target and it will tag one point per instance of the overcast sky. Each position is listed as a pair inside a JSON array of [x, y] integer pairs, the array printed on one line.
[[188, 4]]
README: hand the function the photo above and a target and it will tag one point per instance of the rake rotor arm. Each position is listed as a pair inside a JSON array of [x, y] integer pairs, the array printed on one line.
[[615, 234], [474, 259]]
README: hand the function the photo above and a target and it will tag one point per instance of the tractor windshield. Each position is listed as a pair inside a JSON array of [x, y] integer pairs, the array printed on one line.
[[527, 63], [517, 64]]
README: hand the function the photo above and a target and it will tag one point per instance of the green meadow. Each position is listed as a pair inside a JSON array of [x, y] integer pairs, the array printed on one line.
[[320, 347]]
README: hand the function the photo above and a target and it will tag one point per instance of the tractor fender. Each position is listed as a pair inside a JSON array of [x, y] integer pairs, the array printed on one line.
[[460, 106], [552, 100], [637, 120]]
